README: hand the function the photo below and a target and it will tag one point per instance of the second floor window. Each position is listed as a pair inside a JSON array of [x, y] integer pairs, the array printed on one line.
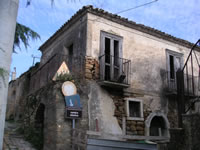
[[174, 62], [111, 53]]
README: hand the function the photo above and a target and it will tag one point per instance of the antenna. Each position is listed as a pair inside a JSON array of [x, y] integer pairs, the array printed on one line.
[[34, 57]]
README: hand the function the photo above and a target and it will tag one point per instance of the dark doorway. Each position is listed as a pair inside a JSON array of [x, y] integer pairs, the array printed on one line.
[[39, 117], [39, 126], [157, 127]]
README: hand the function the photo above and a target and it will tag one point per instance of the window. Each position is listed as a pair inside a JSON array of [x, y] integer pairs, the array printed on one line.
[[134, 109], [70, 53], [174, 62], [111, 54]]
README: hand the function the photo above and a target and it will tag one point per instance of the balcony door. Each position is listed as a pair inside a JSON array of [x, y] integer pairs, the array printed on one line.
[[174, 62], [111, 53]]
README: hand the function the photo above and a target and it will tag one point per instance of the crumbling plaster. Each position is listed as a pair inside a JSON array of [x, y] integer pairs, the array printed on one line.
[[101, 107]]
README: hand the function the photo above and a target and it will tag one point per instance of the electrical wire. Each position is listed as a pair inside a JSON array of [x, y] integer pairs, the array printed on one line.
[[136, 7], [131, 8]]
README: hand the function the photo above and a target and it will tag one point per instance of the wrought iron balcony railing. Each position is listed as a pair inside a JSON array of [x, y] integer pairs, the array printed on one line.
[[114, 69], [191, 84]]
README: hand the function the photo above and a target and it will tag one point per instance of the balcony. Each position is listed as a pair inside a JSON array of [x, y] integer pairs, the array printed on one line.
[[114, 71], [191, 84]]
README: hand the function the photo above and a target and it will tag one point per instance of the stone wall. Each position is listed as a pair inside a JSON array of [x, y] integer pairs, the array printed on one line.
[[186, 138], [17, 91], [56, 129], [172, 112], [177, 138], [133, 127], [91, 68], [191, 126]]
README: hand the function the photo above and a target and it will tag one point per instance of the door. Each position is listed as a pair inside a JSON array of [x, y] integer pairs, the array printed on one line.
[[174, 62], [111, 53]]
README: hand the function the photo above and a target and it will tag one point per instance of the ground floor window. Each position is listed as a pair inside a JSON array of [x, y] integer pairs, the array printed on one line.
[[134, 109]]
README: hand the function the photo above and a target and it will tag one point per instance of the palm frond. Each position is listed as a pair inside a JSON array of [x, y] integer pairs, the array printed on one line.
[[24, 34]]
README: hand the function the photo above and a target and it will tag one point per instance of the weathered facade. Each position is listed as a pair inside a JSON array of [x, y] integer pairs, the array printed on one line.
[[126, 78]]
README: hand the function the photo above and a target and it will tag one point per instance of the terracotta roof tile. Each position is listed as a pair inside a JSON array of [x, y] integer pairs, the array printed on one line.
[[120, 20]]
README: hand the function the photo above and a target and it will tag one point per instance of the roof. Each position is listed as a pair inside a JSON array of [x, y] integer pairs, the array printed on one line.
[[117, 19]]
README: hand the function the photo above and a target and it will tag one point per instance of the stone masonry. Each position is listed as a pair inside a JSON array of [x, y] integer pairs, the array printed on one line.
[[91, 68]]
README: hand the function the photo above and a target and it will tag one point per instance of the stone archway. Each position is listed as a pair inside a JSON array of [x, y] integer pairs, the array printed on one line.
[[157, 124]]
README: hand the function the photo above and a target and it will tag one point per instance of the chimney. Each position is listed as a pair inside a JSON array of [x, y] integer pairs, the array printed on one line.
[[13, 75]]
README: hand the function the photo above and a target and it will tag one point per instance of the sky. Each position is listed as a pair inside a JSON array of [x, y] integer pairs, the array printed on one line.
[[180, 18]]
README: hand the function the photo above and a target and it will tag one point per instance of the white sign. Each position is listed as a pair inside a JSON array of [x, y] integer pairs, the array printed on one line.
[[68, 88]]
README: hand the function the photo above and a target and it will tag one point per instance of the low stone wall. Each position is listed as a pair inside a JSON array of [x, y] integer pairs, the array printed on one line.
[[17, 91], [135, 127], [176, 139], [188, 137], [191, 125]]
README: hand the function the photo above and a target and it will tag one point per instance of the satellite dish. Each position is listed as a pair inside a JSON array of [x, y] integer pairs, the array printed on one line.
[[68, 88]]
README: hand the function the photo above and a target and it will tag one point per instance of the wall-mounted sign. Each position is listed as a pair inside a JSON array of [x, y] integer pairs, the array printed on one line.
[[73, 101], [73, 113], [68, 88], [63, 69]]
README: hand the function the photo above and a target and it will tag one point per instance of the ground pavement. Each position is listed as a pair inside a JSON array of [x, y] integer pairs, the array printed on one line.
[[13, 140]]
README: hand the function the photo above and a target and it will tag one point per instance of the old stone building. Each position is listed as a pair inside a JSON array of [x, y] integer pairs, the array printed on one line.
[[125, 74]]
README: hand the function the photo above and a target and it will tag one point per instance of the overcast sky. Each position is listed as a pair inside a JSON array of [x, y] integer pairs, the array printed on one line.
[[180, 18]]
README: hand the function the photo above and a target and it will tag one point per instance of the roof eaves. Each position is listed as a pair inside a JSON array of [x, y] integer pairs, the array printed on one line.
[[141, 27], [65, 26], [120, 20]]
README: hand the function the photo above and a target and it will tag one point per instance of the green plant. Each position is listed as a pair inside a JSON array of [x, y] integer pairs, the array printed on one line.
[[23, 34], [64, 77]]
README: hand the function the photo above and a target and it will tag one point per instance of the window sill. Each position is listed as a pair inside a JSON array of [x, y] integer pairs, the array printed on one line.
[[135, 118]]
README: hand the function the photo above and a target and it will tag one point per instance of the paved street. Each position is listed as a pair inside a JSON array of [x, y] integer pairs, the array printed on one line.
[[13, 140]]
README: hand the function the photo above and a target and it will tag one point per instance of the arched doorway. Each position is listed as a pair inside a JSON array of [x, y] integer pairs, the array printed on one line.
[[39, 127], [157, 127], [39, 117], [157, 124]]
